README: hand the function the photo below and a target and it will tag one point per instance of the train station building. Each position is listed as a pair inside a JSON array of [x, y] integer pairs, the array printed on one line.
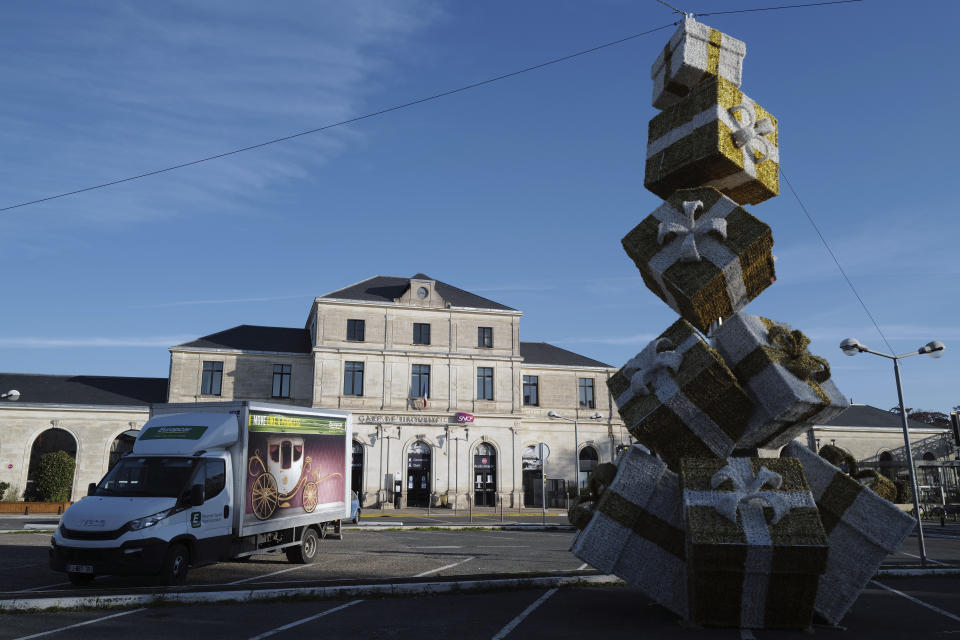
[[449, 404]]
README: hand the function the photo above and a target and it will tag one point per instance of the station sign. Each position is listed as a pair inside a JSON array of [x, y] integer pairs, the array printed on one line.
[[464, 418]]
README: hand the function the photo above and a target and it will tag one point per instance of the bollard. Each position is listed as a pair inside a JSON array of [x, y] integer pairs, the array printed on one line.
[[501, 507], [470, 505]]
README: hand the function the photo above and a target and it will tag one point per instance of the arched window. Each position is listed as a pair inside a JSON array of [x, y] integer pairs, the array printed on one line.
[[122, 445], [887, 467], [589, 458], [49, 441]]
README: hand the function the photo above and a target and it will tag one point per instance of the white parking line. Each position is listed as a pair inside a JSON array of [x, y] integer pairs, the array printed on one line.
[[928, 559], [520, 618], [303, 620], [503, 546], [920, 602], [582, 567], [438, 547], [46, 586], [449, 566], [267, 575], [80, 624]]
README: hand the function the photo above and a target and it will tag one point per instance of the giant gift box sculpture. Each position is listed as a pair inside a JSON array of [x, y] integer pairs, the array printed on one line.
[[760, 542]]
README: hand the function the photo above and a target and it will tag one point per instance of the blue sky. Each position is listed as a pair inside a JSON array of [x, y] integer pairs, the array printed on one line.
[[519, 191]]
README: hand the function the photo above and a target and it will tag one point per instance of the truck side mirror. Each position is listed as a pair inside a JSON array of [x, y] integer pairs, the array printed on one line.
[[92, 489], [196, 495]]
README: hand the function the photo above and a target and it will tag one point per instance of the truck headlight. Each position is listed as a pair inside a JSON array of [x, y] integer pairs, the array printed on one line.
[[148, 521]]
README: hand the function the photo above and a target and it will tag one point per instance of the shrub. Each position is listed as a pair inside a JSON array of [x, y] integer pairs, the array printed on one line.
[[904, 491], [3, 488], [839, 457], [55, 476], [878, 483]]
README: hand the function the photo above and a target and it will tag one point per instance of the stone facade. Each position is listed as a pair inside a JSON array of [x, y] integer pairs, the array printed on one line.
[[93, 428], [389, 418]]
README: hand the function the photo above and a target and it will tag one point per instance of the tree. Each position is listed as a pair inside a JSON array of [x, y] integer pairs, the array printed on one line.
[[55, 476], [935, 418]]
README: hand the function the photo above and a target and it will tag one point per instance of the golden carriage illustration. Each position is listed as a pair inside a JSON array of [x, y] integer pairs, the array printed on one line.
[[285, 473]]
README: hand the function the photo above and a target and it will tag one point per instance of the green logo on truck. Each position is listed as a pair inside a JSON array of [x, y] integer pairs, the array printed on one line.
[[173, 433], [280, 423]]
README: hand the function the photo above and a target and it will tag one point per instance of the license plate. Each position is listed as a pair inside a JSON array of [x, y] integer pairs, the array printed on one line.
[[80, 568]]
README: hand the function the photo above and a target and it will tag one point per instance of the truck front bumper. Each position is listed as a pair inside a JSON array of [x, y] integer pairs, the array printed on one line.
[[134, 557]]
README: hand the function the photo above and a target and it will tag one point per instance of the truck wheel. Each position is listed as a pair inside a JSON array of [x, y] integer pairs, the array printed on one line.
[[175, 565], [309, 548], [80, 579]]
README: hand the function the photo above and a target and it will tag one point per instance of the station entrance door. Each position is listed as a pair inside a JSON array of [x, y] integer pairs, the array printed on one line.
[[418, 474], [485, 476]]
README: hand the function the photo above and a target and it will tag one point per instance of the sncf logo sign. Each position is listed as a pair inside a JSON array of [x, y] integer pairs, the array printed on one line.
[[463, 418]]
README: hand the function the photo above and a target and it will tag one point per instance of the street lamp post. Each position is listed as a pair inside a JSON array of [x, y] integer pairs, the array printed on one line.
[[11, 395], [576, 442], [851, 347], [383, 436]]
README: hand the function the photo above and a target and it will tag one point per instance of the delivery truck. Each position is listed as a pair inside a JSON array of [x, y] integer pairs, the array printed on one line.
[[207, 482]]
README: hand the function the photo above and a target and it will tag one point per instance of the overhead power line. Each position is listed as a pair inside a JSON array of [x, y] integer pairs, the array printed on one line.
[[834, 256], [373, 114], [785, 6]]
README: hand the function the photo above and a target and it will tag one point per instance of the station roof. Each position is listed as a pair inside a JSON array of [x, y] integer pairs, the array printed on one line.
[[389, 288], [545, 353], [864, 415], [249, 337], [85, 390]]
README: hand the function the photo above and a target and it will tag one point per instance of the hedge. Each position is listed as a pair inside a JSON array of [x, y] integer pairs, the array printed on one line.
[[839, 457], [904, 491], [55, 477], [878, 482]]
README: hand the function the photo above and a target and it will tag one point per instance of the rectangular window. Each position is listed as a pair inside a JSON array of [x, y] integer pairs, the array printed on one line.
[[485, 337], [420, 381], [212, 379], [355, 330], [484, 383], [531, 391], [281, 380], [353, 379], [421, 333], [586, 393]]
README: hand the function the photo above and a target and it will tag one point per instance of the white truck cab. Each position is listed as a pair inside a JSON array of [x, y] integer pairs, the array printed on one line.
[[193, 492]]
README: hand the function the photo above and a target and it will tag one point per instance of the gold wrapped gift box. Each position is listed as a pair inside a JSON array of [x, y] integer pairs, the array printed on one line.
[[716, 136], [703, 255]]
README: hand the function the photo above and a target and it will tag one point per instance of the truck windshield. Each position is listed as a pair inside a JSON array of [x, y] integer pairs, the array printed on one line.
[[153, 477]]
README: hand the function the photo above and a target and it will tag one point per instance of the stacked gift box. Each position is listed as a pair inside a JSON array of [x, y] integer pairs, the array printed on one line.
[[691, 515]]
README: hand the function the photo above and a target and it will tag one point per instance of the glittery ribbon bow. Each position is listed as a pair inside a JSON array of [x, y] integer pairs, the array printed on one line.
[[599, 481], [796, 358], [751, 131], [650, 364], [746, 489], [690, 229]]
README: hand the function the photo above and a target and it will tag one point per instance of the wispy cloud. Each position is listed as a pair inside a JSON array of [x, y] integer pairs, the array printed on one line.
[[186, 303], [94, 342], [133, 88]]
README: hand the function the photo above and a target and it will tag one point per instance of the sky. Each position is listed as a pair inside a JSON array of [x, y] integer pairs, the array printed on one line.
[[518, 190]]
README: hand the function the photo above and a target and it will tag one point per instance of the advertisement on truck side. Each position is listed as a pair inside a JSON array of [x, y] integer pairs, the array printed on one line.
[[295, 465]]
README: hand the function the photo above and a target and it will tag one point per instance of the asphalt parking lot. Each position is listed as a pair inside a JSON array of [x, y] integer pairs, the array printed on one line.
[[890, 608]]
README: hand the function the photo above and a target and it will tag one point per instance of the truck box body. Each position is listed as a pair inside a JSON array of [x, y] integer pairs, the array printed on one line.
[[267, 473], [295, 445]]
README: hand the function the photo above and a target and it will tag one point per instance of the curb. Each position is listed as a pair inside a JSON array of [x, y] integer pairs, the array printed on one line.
[[461, 527], [910, 573], [344, 591]]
